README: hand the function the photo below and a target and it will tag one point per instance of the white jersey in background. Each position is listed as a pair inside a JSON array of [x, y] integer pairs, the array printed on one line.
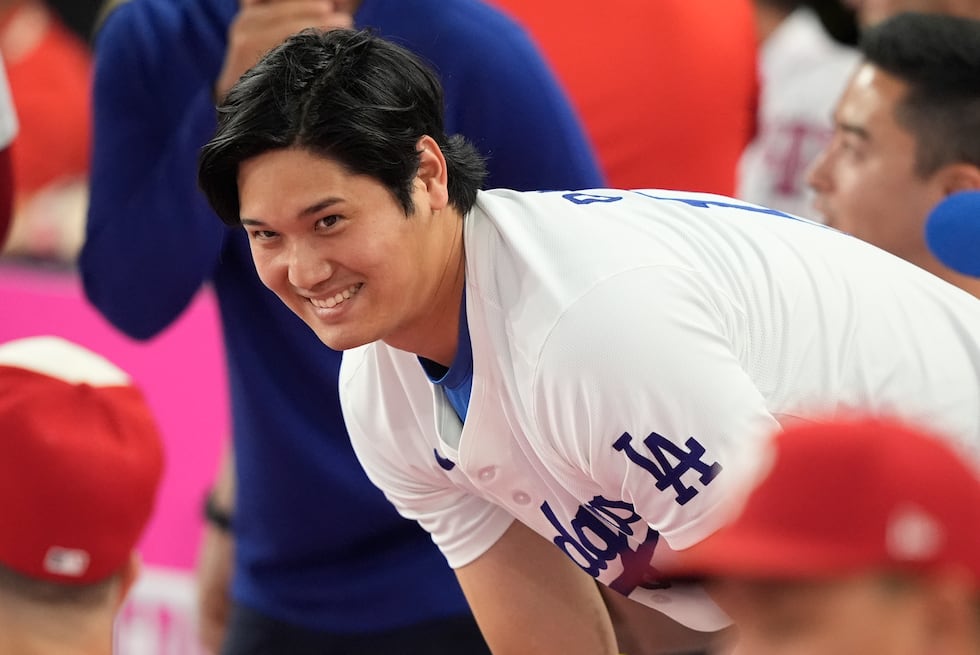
[[8, 131], [8, 115], [802, 73], [630, 352]]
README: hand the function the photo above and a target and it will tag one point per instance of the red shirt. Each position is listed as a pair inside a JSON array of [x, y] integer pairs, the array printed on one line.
[[50, 74], [666, 88]]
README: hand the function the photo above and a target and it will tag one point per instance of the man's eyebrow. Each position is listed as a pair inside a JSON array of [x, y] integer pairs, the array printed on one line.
[[315, 208], [318, 207]]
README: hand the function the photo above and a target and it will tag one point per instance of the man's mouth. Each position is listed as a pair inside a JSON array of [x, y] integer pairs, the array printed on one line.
[[334, 300]]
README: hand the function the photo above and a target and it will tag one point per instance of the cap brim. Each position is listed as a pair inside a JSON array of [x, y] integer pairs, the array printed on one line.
[[761, 556]]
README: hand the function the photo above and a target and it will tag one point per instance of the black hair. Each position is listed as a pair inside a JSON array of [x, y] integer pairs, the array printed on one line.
[[938, 57], [346, 95]]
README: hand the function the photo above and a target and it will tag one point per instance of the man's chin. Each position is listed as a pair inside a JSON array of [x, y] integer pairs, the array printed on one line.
[[339, 343], [828, 219], [331, 338]]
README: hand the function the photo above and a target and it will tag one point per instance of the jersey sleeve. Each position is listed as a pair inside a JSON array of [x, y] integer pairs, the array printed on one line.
[[387, 406], [641, 392], [151, 240]]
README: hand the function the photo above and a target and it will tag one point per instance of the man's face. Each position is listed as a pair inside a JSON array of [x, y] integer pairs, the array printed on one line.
[[865, 180], [338, 249], [851, 616]]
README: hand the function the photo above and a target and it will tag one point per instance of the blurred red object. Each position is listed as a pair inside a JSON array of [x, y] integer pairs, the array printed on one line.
[[8, 130], [50, 74]]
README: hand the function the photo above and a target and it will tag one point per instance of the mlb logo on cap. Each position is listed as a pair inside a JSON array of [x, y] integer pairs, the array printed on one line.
[[69, 562], [81, 462]]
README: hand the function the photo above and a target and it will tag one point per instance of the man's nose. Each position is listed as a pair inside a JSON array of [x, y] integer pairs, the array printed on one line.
[[307, 267], [818, 176]]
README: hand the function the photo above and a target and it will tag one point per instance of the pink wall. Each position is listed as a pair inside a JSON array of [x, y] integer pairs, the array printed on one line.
[[181, 371]]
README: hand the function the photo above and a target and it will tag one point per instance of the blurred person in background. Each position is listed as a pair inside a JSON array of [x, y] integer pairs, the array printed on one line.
[[862, 537], [82, 462], [8, 132], [906, 136], [80, 16], [49, 69], [871, 12], [302, 554], [802, 72], [666, 89]]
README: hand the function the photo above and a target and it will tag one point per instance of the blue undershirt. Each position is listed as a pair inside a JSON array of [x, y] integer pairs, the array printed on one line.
[[457, 380]]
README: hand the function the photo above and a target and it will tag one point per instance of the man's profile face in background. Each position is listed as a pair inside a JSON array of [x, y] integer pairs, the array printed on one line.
[[866, 181]]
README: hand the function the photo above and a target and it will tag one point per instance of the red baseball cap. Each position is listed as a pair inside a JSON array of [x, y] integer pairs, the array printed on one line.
[[848, 496], [80, 462]]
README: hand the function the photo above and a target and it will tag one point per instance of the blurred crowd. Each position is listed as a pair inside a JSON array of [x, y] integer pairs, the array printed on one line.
[[796, 105], [634, 112]]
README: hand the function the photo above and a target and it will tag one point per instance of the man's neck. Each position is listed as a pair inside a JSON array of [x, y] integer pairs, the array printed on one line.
[[56, 634], [435, 336], [967, 283]]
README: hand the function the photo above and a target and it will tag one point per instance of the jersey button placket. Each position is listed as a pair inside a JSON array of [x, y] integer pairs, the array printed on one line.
[[486, 474]]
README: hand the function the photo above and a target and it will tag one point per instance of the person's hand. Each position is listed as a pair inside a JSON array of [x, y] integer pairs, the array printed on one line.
[[260, 25], [214, 566]]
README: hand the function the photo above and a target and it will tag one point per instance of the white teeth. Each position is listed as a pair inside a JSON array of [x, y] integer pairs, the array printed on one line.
[[333, 301]]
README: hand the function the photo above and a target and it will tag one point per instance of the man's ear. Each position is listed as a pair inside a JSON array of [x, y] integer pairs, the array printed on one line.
[[951, 606], [128, 576], [959, 177], [433, 175]]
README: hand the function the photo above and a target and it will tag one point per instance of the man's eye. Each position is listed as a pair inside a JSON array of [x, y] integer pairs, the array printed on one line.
[[328, 221], [852, 146], [262, 235]]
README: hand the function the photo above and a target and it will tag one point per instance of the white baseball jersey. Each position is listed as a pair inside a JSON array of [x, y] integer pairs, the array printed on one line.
[[630, 352], [8, 116], [803, 73]]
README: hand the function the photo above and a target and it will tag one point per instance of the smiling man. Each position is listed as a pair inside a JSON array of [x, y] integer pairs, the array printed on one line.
[[417, 290], [907, 134], [562, 386], [269, 579]]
